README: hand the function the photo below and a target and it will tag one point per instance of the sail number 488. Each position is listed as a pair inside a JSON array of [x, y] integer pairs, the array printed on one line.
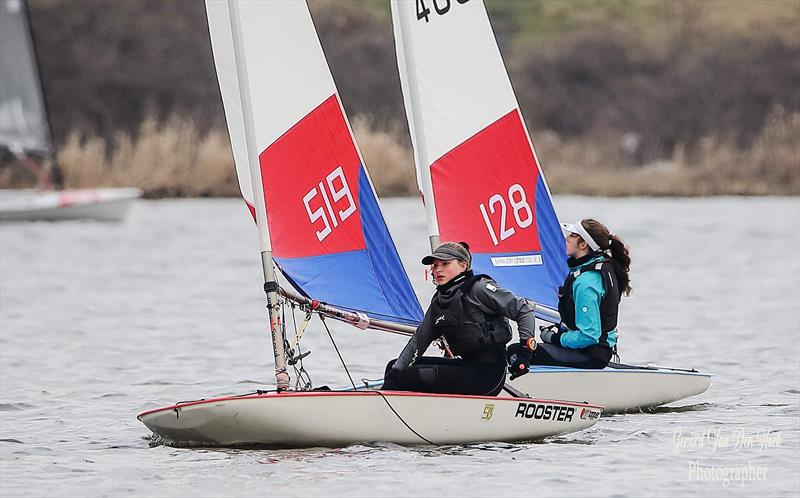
[[523, 214], [331, 194], [441, 7]]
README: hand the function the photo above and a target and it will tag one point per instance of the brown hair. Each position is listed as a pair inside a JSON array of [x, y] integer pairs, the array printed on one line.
[[461, 248], [619, 251]]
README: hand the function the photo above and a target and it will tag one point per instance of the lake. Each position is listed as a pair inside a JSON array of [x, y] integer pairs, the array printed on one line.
[[99, 322]]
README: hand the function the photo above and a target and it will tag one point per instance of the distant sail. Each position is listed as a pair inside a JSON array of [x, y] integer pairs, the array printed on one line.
[[476, 165], [325, 229], [23, 119]]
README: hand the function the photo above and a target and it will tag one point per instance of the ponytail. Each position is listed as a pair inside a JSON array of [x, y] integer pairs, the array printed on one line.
[[622, 262]]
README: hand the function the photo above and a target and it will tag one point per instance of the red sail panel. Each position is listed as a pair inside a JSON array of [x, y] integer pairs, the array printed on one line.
[[485, 190], [310, 181]]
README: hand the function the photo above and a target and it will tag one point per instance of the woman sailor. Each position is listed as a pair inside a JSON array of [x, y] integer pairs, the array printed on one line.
[[588, 303], [471, 312]]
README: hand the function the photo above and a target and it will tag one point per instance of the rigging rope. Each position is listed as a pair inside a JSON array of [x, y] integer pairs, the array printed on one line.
[[350, 377], [404, 422], [300, 373], [322, 318]]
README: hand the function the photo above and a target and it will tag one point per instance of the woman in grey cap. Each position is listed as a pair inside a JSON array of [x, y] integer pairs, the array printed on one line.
[[471, 312], [588, 303]]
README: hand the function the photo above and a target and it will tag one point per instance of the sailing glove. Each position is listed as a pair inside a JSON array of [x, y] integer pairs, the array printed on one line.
[[519, 362], [550, 336]]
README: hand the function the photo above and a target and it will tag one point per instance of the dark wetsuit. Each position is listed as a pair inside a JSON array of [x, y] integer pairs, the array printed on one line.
[[472, 313]]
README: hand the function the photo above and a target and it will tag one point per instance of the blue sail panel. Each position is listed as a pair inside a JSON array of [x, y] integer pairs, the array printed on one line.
[[327, 232], [384, 261], [534, 275], [372, 280], [551, 240], [490, 193]]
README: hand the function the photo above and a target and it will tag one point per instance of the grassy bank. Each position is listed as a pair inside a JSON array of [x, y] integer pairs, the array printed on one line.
[[175, 159], [671, 72], [717, 166]]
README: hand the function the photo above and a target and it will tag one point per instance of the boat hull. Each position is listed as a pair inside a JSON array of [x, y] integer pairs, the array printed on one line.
[[618, 389], [335, 419], [89, 204]]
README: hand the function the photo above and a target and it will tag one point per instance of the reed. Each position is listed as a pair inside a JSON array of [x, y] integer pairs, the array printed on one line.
[[176, 160], [169, 160], [598, 166], [390, 163]]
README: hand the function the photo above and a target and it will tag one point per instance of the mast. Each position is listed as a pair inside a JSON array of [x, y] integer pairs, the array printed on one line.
[[300, 172], [416, 124], [267, 264]]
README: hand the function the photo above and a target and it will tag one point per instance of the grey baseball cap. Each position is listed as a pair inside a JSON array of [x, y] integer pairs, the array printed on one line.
[[446, 253]]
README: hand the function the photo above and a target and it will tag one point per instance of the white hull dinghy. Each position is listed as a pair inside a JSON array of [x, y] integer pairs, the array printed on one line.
[[335, 419], [619, 388], [320, 226], [481, 182], [25, 132], [102, 204]]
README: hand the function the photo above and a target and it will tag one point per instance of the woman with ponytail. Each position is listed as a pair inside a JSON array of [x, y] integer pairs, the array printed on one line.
[[471, 312], [599, 266]]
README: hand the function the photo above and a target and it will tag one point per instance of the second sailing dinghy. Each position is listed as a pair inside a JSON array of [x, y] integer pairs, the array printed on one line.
[[25, 132], [482, 183], [318, 219]]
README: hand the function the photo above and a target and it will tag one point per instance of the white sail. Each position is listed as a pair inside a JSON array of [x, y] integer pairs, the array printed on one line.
[[219, 27], [314, 204], [453, 78], [482, 183], [23, 119], [260, 68], [476, 165]]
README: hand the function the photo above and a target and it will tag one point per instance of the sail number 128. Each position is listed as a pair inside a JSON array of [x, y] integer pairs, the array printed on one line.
[[441, 7], [331, 194], [521, 209]]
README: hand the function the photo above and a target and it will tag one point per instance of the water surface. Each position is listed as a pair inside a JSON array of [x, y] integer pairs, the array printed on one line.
[[101, 321]]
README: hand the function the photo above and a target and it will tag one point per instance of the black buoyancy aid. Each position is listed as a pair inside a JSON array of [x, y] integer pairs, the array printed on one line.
[[467, 329], [609, 304]]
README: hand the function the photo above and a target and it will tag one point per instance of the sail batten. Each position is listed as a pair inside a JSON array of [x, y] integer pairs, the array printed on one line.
[[476, 164]]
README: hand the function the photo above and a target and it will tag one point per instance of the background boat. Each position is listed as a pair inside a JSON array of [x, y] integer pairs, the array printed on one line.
[[26, 133]]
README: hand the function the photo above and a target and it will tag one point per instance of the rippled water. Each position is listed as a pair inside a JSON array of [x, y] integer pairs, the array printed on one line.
[[101, 321]]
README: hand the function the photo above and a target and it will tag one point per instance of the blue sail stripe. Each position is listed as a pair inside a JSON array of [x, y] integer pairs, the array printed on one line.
[[393, 280], [536, 282], [372, 280], [551, 241]]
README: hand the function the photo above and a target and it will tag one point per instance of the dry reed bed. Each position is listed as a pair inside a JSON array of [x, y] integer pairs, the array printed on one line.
[[175, 160], [770, 166]]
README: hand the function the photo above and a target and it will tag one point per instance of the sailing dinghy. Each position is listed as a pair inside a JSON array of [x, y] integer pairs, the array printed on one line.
[[318, 220], [25, 132], [98, 204], [481, 183]]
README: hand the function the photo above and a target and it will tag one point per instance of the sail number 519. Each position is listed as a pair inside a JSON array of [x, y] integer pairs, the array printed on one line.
[[331, 194], [522, 213]]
